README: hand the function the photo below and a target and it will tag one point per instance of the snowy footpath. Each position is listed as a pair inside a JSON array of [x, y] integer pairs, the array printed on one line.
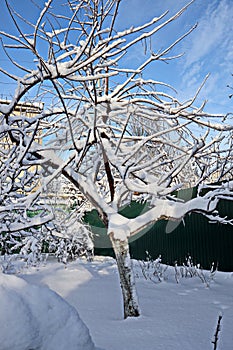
[[86, 309]]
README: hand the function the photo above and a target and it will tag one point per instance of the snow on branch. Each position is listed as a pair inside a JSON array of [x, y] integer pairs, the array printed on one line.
[[113, 134]]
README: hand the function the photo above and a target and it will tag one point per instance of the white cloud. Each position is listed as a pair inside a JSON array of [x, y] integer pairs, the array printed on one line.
[[213, 33], [209, 49]]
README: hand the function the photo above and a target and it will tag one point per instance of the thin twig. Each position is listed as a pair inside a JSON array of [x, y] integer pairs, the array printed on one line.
[[216, 335]]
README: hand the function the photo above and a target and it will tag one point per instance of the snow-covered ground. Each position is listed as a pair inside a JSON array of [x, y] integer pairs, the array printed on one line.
[[174, 316]]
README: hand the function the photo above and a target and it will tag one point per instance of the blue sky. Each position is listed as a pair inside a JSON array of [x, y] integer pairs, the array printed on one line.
[[209, 49]]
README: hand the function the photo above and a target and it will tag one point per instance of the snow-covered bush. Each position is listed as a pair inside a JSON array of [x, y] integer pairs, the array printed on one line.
[[189, 270], [72, 247], [7, 265], [153, 270], [156, 271], [49, 322], [30, 248], [72, 239], [66, 236]]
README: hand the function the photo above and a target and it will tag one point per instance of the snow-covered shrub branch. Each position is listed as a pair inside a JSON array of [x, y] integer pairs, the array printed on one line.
[[71, 238], [156, 271], [20, 177]]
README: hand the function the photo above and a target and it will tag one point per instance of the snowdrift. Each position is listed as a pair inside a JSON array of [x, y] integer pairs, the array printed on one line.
[[49, 322]]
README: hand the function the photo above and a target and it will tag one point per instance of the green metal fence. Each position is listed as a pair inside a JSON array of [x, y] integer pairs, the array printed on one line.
[[205, 242]]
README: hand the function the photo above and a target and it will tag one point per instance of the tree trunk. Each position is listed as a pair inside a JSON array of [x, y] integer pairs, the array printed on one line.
[[124, 264]]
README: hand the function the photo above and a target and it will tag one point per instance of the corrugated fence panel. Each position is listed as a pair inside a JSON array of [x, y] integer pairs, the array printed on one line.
[[205, 242]]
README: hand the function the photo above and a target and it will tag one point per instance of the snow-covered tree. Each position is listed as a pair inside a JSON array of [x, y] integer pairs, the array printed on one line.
[[20, 176], [112, 133]]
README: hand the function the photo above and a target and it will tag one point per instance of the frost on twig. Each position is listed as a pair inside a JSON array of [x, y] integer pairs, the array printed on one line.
[[190, 270], [156, 271], [153, 270]]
